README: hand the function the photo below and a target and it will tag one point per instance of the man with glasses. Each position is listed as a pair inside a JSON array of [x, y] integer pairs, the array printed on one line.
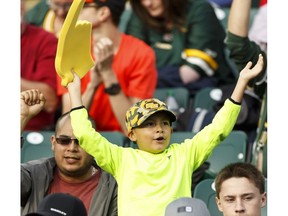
[[49, 14], [71, 170]]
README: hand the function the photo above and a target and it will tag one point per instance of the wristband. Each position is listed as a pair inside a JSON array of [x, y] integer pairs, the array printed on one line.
[[76, 108]]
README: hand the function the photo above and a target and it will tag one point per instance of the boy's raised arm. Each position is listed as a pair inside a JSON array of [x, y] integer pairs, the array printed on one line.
[[246, 74], [74, 89]]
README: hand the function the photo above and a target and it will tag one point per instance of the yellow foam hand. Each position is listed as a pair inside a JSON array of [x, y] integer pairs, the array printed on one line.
[[74, 45]]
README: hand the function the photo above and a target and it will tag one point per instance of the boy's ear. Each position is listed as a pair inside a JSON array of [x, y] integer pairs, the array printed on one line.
[[132, 136], [218, 202]]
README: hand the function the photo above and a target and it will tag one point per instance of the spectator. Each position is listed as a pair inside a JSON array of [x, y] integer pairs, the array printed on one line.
[[243, 49], [188, 40], [71, 170], [157, 172], [59, 204], [49, 14], [240, 190], [124, 72], [38, 51]]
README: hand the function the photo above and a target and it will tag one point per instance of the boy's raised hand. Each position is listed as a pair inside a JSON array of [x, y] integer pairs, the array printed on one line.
[[248, 73], [74, 89]]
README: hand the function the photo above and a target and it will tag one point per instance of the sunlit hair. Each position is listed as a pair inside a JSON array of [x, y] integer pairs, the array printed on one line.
[[240, 170], [175, 12]]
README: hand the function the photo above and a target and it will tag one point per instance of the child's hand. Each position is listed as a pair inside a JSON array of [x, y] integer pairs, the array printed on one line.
[[74, 89], [248, 74], [75, 84]]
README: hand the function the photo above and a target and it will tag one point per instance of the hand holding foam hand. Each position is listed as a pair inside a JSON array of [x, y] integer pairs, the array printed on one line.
[[74, 89], [73, 51]]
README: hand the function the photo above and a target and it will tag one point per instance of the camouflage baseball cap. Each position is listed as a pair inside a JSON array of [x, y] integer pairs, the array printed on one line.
[[139, 112]]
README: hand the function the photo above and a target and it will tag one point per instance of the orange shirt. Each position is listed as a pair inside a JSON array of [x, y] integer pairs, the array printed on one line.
[[135, 68]]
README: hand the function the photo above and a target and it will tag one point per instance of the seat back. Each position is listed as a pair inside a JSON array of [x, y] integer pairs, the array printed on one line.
[[180, 136], [36, 145], [206, 98], [114, 137], [180, 93], [205, 190], [231, 150]]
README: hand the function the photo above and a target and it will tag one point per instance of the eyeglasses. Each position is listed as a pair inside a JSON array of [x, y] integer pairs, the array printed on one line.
[[66, 140], [58, 6]]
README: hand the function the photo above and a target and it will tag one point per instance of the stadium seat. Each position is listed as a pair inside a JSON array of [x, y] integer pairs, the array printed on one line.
[[206, 98], [181, 95], [205, 190], [232, 149], [36, 145], [114, 137]]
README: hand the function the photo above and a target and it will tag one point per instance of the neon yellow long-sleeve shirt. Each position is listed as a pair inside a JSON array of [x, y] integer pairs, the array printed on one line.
[[148, 182]]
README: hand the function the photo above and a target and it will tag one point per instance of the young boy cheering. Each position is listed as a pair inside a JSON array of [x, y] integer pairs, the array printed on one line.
[[150, 177]]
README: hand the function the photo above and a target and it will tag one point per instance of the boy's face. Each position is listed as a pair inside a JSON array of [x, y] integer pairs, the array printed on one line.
[[239, 196], [153, 135]]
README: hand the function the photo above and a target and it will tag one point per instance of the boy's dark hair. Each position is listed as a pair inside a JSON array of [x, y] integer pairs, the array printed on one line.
[[175, 11], [239, 170], [116, 7]]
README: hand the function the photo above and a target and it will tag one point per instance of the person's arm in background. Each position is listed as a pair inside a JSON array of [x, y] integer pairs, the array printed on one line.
[[241, 48], [49, 92], [32, 102], [239, 15]]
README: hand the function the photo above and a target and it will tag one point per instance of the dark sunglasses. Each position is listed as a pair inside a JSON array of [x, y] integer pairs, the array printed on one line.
[[66, 140]]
